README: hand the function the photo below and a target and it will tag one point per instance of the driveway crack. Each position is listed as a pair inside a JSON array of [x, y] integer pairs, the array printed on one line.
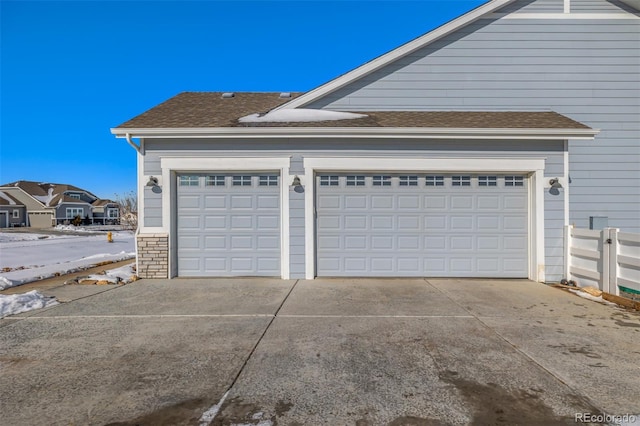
[[209, 415]]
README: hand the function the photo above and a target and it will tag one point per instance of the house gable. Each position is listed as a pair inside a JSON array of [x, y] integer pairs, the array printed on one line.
[[582, 65]]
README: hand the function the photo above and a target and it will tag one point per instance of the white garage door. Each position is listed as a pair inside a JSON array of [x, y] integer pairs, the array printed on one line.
[[434, 225], [228, 224]]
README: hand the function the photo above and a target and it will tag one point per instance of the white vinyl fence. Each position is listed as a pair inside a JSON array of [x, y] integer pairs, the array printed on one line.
[[607, 259]]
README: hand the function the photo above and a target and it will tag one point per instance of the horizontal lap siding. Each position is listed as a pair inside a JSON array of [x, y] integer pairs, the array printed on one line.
[[585, 69]]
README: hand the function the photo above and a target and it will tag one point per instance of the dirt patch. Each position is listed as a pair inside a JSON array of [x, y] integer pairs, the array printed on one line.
[[493, 405], [283, 407], [183, 413]]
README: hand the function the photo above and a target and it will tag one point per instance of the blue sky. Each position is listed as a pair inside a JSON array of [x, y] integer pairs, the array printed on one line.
[[72, 70]]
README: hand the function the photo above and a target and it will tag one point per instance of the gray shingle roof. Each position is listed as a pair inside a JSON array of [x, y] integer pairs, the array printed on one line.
[[211, 110]]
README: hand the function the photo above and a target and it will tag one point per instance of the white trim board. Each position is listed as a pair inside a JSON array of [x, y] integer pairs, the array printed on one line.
[[172, 165], [532, 166], [566, 16]]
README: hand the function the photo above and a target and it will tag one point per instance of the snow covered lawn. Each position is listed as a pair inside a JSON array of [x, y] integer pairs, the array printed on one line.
[[27, 257]]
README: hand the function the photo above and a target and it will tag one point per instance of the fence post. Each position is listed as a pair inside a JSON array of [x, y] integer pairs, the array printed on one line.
[[613, 262], [567, 251], [605, 243]]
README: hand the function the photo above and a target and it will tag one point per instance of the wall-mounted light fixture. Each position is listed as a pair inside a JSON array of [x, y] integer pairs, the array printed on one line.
[[296, 184], [153, 183], [555, 183]]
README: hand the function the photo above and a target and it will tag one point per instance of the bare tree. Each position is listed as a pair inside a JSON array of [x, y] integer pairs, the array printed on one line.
[[128, 210]]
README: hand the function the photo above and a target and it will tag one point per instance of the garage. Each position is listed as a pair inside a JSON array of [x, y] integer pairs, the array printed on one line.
[[418, 224], [228, 224]]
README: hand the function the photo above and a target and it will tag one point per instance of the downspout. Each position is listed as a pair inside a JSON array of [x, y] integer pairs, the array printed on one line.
[[133, 144], [140, 150]]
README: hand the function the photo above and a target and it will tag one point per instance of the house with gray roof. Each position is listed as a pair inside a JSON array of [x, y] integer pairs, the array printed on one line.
[[12, 211], [463, 153], [47, 204]]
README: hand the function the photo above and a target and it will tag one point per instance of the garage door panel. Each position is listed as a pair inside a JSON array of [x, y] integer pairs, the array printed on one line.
[[189, 201], [215, 222], [242, 202], [435, 203], [228, 225], [189, 222], [439, 230], [215, 202], [379, 222], [191, 242], [214, 242]]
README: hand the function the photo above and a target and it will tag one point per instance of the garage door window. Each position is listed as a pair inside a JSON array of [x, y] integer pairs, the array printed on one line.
[[329, 180], [189, 180], [435, 180], [241, 180], [382, 181], [461, 180], [215, 181], [268, 180], [355, 180], [487, 181], [513, 181], [408, 180]]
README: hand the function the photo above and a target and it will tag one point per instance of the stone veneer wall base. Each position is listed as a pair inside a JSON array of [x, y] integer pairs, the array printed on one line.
[[153, 255]]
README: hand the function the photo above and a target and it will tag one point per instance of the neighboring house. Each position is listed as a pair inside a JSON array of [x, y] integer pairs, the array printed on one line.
[[463, 153], [48, 204], [12, 212]]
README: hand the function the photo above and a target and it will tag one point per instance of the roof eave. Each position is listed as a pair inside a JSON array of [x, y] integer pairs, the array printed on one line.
[[394, 54], [356, 132]]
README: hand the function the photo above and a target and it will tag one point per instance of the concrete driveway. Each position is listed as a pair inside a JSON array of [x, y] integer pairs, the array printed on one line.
[[324, 352]]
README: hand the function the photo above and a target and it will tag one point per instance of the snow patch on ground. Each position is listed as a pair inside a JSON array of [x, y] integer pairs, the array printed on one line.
[[18, 303], [208, 416], [124, 274], [8, 237], [299, 115], [24, 260]]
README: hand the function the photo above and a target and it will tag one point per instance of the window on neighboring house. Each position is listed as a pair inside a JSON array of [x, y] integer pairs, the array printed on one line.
[[382, 181], [112, 213], [355, 180], [239, 180], [268, 180], [487, 181], [16, 214], [217, 180], [74, 196], [408, 180], [461, 180], [189, 180], [329, 180], [435, 180], [513, 181], [74, 211]]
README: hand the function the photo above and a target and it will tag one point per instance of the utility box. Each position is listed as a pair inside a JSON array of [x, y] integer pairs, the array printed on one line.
[[598, 222]]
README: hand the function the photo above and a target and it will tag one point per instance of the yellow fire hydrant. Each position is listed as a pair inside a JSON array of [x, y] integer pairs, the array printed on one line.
[[109, 237]]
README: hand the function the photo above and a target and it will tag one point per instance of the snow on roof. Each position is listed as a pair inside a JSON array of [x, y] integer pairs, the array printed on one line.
[[46, 199], [299, 115]]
